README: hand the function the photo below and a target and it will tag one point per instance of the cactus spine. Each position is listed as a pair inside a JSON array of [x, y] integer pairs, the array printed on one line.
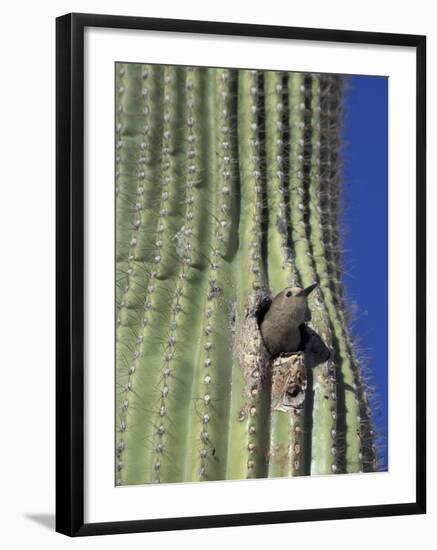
[[227, 189]]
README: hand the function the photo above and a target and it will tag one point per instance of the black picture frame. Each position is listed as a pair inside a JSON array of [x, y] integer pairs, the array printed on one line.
[[70, 273]]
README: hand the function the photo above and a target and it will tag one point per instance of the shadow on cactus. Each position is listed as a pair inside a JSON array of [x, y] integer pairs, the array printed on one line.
[[234, 357]]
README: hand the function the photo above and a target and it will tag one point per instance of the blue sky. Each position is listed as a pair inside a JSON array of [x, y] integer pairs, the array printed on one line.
[[365, 219]]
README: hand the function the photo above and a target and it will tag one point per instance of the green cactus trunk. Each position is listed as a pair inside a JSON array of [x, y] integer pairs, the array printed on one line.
[[227, 191]]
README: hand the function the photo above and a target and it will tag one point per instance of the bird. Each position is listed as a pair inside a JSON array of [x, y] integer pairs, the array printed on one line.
[[282, 322]]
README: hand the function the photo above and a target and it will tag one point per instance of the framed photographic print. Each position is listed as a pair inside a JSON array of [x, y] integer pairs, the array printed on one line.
[[240, 274]]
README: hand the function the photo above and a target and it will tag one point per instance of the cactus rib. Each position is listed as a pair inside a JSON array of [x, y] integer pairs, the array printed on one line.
[[285, 429]]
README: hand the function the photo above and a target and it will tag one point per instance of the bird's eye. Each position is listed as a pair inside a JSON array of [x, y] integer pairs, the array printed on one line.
[[289, 293]]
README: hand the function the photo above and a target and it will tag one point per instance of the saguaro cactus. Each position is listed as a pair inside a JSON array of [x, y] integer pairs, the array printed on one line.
[[227, 190]]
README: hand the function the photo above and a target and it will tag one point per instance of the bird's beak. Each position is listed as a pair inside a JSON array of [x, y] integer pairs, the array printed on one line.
[[309, 289]]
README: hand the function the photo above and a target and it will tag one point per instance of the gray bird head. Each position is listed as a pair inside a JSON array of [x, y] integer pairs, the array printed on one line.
[[291, 303]]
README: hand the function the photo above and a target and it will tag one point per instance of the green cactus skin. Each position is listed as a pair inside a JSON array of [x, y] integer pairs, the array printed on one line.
[[228, 189], [286, 430], [320, 421]]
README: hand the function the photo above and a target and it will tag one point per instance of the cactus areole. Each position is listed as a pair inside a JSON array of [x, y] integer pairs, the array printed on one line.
[[228, 194]]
